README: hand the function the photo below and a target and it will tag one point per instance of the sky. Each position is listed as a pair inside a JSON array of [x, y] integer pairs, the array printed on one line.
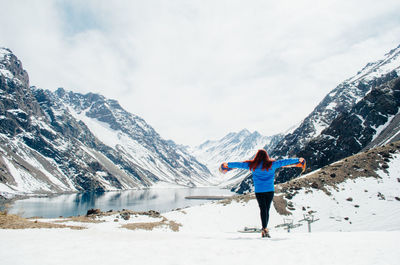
[[197, 70]]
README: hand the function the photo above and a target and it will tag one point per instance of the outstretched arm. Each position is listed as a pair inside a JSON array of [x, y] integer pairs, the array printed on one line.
[[225, 167], [242, 165], [287, 162]]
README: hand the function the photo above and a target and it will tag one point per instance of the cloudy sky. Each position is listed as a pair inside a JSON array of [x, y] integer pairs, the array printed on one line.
[[197, 70]]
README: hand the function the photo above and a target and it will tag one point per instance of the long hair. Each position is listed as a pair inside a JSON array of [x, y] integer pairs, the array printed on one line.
[[261, 157]]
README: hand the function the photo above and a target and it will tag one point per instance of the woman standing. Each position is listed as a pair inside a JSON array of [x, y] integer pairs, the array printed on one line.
[[263, 169]]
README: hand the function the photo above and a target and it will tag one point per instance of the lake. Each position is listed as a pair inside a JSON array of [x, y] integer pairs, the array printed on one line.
[[158, 199]]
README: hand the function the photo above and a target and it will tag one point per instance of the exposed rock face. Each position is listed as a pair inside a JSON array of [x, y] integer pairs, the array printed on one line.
[[340, 100], [350, 132], [63, 141], [361, 112]]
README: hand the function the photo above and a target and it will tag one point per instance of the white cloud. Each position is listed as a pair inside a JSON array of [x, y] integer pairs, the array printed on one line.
[[199, 69]]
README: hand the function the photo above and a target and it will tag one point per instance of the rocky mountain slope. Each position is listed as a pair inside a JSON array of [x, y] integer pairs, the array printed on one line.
[[361, 112], [352, 131], [340, 100], [348, 190], [64, 141]]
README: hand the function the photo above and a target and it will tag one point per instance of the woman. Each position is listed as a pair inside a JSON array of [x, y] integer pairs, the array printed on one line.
[[263, 169]]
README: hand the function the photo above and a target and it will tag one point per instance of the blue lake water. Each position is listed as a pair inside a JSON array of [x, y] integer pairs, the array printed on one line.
[[158, 199]]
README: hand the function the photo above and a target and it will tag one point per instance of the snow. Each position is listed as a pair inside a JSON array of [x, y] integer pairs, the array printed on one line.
[[24, 181], [209, 233], [6, 188], [331, 106], [319, 126], [391, 138], [6, 73], [52, 178], [380, 128], [100, 129], [381, 67], [134, 151], [232, 147], [130, 247], [3, 53]]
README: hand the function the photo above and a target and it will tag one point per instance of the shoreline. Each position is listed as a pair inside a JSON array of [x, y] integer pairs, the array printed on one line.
[[15, 196], [99, 199]]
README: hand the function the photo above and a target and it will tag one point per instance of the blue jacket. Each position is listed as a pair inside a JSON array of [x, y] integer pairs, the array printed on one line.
[[264, 179]]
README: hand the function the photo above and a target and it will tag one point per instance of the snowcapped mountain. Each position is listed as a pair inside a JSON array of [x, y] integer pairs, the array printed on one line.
[[362, 112], [238, 146], [340, 100], [63, 141], [376, 115]]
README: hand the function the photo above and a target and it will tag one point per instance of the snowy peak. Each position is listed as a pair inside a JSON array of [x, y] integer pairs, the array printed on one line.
[[390, 62], [339, 100], [235, 146], [135, 140], [361, 112], [64, 141], [352, 131], [11, 68]]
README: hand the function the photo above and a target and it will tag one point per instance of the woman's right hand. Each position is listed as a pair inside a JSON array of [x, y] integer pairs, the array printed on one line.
[[224, 168]]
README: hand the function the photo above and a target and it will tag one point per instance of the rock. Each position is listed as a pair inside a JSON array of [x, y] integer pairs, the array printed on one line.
[[357, 206], [288, 196], [350, 199], [315, 185], [381, 196], [125, 215], [93, 212], [397, 198], [346, 218]]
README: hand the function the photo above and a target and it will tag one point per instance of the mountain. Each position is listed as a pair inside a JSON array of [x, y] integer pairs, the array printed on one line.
[[340, 100], [376, 115], [61, 141], [361, 112], [235, 146]]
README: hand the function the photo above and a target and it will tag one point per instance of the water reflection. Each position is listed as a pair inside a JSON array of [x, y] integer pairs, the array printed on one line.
[[161, 200]]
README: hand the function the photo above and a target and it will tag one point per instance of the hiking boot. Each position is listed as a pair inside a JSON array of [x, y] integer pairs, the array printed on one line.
[[265, 233]]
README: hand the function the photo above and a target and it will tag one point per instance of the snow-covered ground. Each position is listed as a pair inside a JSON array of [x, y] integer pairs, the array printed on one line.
[[361, 230], [130, 247]]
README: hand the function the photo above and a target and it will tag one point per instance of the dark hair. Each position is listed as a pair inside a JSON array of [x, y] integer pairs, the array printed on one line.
[[261, 157]]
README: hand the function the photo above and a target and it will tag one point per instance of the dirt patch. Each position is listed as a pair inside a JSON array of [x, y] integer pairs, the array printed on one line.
[[174, 226], [280, 205], [363, 164], [97, 213], [10, 221], [245, 198], [80, 219]]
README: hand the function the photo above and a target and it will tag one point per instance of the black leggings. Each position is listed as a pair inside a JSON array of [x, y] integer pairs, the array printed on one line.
[[264, 200]]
